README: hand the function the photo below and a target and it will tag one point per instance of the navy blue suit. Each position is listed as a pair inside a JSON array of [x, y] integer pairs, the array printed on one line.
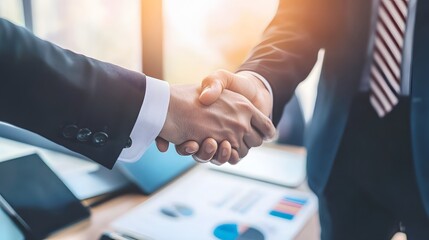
[[84, 104], [288, 51]]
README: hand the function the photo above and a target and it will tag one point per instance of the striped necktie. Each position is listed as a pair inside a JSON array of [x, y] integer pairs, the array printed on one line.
[[385, 75]]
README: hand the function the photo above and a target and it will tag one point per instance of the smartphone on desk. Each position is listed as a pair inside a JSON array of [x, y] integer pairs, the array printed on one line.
[[36, 199]]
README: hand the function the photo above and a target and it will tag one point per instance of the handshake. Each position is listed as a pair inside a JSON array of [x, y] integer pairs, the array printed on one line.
[[220, 120]]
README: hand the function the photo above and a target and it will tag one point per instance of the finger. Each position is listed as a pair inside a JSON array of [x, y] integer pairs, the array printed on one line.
[[187, 148], [234, 159], [212, 88], [243, 150], [161, 144], [253, 139], [223, 153], [207, 150], [263, 124]]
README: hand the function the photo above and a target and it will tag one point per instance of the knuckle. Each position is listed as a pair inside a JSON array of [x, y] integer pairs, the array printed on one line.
[[247, 106], [222, 72], [234, 139], [247, 129], [241, 129], [235, 144]]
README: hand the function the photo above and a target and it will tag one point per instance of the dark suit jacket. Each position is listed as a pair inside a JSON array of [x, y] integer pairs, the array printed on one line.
[[44, 88], [342, 27]]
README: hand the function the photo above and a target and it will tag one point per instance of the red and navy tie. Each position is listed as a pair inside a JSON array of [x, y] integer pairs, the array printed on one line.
[[385, 75]]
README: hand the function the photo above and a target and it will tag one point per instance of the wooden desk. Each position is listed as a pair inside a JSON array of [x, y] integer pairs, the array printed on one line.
[[101, 217]]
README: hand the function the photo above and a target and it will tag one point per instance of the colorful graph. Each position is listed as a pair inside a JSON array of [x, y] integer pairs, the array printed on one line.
[[234, 231], [176, 211], [288, 207]]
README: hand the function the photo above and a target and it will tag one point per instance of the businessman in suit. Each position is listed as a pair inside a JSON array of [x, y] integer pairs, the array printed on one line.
[[106, 112], [368, 154]]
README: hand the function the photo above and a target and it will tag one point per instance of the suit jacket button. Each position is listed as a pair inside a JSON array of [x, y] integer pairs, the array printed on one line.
[[70, 131], [129, 143], [83, 135], [99, 138]]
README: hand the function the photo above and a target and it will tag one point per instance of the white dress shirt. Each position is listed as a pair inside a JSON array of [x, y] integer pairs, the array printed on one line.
[[150, 120]]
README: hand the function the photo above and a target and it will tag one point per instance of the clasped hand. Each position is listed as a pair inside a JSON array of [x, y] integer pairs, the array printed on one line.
[[219, 121]]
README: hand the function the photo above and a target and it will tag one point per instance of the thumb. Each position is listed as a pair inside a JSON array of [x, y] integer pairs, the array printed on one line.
[[161, 144], [212, 88]]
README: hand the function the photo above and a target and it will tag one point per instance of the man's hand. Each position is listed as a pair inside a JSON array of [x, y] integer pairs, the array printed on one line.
[[243, 83], [231, 120]]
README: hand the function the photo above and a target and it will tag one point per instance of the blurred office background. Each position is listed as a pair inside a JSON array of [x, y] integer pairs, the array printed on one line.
[[179, 41]]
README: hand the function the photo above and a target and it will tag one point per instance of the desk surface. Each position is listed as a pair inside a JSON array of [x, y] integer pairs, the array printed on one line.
[[106, 213]]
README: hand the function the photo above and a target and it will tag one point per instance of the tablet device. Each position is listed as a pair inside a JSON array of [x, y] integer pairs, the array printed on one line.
[[270, 165], [38, 196], [155, 169]]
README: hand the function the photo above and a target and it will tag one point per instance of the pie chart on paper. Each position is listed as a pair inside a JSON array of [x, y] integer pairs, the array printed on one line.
[[176, 211], [234, 231]]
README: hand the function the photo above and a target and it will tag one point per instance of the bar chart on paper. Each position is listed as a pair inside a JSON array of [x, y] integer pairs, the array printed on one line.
[[288, 207]]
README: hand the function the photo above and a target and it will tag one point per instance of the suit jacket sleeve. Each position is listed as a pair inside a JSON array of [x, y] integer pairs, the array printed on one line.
[[288, 49], [46, 89]]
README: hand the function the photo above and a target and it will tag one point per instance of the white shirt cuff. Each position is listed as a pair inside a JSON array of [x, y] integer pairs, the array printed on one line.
[[264, 81], [150, 120]]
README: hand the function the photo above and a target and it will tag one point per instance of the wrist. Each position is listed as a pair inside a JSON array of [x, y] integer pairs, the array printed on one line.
[[169, 124], [183, 100]]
